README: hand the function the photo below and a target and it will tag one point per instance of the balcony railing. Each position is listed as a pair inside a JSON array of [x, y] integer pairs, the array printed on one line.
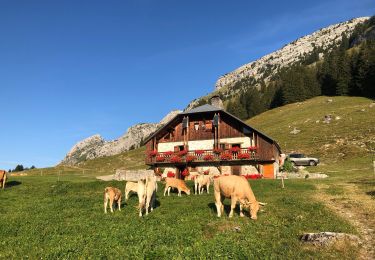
[[202, 156]]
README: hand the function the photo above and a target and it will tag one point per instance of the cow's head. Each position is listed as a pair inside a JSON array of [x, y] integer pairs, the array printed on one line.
[[253, 207], [187, 191]]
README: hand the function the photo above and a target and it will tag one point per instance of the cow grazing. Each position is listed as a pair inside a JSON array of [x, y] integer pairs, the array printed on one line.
[[141, 191], [201, 181], [176, 183], [3, 178], [112, 194], [238, 189], [151, 189], [130, 187]]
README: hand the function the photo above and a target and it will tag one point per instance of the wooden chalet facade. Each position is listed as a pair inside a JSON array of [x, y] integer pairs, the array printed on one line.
[[209, 138]]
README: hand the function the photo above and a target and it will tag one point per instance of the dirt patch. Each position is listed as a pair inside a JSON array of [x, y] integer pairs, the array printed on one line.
[[358, 208], [211, 229]]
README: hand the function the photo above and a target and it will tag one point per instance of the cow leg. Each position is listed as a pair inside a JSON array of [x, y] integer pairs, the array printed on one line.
[[218, 203], [119, 204], [208, 188], [126, 195], [165, 190], [179, 193], [169, 190], [147, 204], [111, 204], [153, 201], [105, 204], [241, 213], [232, 205], [195, 187]]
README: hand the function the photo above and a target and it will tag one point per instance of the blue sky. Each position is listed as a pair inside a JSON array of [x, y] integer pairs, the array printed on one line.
[[71, 69]]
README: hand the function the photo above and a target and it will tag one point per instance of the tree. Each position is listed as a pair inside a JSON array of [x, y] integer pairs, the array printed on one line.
[[19, 168]]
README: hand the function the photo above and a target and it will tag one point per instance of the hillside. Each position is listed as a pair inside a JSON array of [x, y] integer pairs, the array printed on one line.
[[351, 132]]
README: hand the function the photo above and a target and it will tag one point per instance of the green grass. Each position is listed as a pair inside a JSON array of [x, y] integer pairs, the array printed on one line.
[[43, 218]]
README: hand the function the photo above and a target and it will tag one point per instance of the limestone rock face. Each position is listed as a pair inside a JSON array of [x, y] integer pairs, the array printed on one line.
[[95, 146], [290, 53]]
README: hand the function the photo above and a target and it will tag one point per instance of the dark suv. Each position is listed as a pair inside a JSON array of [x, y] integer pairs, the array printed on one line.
[[300, 159]]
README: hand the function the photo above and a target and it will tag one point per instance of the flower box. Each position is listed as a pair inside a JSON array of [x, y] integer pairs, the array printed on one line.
[[226, 156], [190, 158], [208, 157], [160, 159], [243, 156], [199, 152], [169, 153], [217, 150], [253, 148], [175, 159], [235, 149], [253, 176]]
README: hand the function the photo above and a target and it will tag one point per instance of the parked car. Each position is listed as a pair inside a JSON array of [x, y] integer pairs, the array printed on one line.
[[299, 159]]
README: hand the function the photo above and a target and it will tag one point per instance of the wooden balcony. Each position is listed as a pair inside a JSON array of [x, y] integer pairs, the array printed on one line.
[[202, 156]]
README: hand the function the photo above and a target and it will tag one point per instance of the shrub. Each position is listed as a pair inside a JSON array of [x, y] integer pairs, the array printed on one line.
[[288, 166]]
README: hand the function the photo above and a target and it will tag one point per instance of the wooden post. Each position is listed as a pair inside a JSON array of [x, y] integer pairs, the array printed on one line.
[[282, 181]]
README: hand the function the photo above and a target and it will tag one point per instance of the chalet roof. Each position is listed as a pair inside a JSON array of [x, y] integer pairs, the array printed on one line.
[[200, 109], [208, 108]]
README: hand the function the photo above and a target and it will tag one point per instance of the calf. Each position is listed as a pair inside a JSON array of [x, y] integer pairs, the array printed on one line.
[[130, 187], [3, 178], [112, 194], [151, 189], [238, 189], [200, 181], [176, 183]]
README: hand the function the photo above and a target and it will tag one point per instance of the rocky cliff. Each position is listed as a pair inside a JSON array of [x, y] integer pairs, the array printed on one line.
[[267, 66], [95, 146]]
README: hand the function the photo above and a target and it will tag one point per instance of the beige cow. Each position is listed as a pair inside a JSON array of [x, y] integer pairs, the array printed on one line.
[[3, 178], [176, 183], [141, 191], [238, 189], [151, 189], [130, 187], [201, 181], [112, 194]]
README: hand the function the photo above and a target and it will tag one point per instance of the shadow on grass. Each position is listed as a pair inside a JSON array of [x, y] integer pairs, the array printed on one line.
[[212, 206], [11, 184], [371, 193]]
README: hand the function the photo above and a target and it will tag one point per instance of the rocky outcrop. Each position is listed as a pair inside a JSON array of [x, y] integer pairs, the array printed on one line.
[[95, 146], [267, 66]]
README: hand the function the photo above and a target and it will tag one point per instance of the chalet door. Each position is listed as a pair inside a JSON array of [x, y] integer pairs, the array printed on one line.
[[236, 170], [268, 171]]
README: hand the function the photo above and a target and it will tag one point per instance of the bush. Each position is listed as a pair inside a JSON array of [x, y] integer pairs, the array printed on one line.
[[288, 166]]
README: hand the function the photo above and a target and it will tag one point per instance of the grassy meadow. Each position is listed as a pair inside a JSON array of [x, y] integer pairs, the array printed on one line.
[[42, 217], [58, 212]]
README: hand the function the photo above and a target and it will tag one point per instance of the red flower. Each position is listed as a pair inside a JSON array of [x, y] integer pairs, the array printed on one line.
[[160, 159], [152, 153], [190, 158], [253, 176], [169, 153], [206, 172], [182, 153], [175, 159], [208, 157], [217, 150], [185, 172], [199, 152], [235, 149], [252, 148], [226, 156], [170, 175], [243, 156]]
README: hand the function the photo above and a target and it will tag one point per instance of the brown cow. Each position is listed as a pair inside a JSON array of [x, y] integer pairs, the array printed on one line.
[[238, 189], [112, 194], [176, 183], [3, 178]]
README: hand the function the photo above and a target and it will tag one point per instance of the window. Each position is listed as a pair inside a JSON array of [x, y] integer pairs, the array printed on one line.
[[196, 126]]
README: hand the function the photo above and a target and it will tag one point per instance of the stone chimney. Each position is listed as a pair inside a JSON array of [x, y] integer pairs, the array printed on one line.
[[217, 102]]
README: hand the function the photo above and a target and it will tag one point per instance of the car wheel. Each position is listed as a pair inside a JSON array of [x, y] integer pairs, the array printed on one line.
[[312, 163]]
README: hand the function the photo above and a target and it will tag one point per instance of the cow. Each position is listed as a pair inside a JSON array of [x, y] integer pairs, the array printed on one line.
[[141, 191], [200, 181], [3, 178], [176, 183], [112, 194], [238, 189], [151, 189], [130, 187]]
